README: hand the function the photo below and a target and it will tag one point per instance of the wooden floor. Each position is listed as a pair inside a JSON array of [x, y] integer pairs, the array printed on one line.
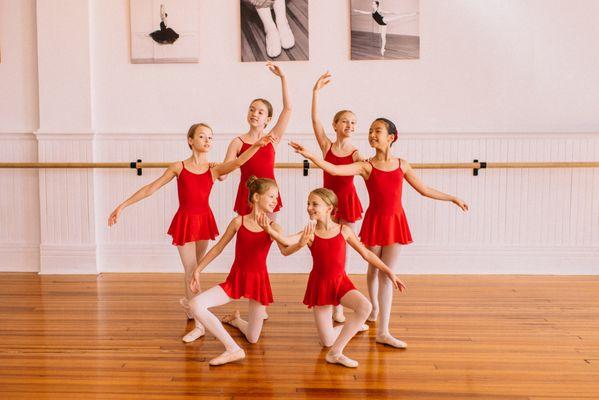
[[367, 46], [470, 337], [253, 38]]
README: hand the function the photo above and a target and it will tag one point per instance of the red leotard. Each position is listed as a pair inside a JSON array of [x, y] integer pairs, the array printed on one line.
[[261, 165], [194, 219], [385, 221], [328, 282], [249, 277], [349, 207]]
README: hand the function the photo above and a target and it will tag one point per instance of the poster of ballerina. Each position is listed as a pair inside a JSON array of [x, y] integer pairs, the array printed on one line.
[[274, 30], [385, 30], [164, 31]]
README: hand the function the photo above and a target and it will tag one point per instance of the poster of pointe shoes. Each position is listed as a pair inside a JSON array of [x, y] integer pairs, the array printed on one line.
[[385, 29], [274, 30], [164, 31]]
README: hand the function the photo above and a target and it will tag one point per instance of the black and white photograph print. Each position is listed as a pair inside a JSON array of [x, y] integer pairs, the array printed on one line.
[[274, 30], [385, 29], [164, 31]]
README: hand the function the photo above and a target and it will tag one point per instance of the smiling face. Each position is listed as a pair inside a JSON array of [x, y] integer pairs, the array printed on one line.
[[258, 114], [201, 141], [267, 201], [318, 209], [379, 136], [345, 126]]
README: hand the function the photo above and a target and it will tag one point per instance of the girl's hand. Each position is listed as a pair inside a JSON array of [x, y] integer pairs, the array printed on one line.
[[460, 203], [307, 234], [275, 69], [324, 80], [301, 150], [212, 164], [114, 216], [265, 140], [264, 222], [194, 285], [397, 282]]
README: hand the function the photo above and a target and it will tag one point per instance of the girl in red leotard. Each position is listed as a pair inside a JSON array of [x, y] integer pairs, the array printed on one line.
[[385, 227], [262, 164], [339, 152], [193, 224], [248, 277], [328, 284]]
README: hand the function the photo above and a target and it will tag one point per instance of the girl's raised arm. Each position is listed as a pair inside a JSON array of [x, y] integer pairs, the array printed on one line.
[[323, 141], [279, 129]]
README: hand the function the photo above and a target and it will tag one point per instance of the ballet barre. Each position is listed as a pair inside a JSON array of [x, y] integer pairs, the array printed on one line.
[[475, 166]]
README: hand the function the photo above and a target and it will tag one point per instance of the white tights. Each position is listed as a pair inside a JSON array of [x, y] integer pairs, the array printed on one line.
[[380, 288], [215, 297], [337, 337], [190, 253]]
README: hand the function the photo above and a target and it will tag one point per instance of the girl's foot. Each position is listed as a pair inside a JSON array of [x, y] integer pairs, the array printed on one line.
[[231, 318], [340, 359], [185, 304], [228, 357], [338, 315], [194, 334], [364, 328], [373, 314], [391, 341]]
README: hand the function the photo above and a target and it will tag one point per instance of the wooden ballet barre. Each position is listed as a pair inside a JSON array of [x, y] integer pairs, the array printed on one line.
[[469, 165]]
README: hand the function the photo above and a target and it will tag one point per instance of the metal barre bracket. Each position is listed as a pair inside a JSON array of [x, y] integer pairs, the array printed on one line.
[[134, 166], [483, 165], [306, 167]]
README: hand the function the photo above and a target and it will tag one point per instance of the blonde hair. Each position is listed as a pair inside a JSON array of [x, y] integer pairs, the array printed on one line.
[[192, 130], [258, 185], [338, 115], [328, 196]]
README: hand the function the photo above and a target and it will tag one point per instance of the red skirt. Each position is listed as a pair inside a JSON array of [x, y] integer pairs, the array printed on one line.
[[326, 291], [349, 207], [189, 227], [248, 284], [383, 230]]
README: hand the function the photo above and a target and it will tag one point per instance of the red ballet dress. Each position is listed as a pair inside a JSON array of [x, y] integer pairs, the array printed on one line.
[[194, 219], [249, 277], [385, 221], [349, 207], [327, 282], [261, 165]]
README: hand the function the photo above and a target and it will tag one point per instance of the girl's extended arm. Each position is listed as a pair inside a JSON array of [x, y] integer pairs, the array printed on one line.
[[279, 129], [427, 191], [321, 137], [362, 12], [228, 166], [287, 245], [371, 258], [357, 168], [232, 151], [214, 252], [144, 192]]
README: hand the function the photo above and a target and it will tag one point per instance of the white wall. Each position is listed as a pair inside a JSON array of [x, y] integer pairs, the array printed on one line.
[[497, 80]]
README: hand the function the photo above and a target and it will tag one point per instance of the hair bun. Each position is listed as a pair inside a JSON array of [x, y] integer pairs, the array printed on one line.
[[250, 181]]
